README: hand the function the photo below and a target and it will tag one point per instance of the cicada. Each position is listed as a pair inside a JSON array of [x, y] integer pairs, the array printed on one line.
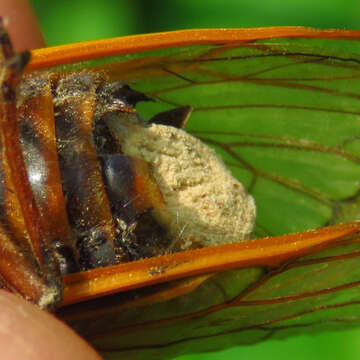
[[282, 116], [105, 187]]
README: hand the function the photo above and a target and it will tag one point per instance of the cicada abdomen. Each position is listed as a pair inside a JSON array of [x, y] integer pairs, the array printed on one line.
[[87, 183]]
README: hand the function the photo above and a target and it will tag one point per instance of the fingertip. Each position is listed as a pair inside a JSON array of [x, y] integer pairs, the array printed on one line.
[[22, 25], [26, 332]]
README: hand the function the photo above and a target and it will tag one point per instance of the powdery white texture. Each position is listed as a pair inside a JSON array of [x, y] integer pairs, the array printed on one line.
[[206, 205]]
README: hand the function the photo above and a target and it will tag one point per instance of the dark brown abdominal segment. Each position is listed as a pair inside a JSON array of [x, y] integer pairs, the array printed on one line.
[[177, 117], [37, 133], [134, 195], [88, 207]]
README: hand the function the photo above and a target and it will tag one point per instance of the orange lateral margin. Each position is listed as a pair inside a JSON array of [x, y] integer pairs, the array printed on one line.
[[64, 54], [263, 252]]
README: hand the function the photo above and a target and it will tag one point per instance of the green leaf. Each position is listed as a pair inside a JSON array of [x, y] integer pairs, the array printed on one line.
[[285, 116]]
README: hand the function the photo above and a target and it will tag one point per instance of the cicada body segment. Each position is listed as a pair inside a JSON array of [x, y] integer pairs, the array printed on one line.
[[38, 139]]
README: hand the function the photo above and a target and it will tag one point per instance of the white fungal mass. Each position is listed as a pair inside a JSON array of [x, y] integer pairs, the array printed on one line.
[[205, 204]]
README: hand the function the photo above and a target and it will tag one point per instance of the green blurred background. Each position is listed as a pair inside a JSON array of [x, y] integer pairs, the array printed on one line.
[[77, 20], [68, 21]]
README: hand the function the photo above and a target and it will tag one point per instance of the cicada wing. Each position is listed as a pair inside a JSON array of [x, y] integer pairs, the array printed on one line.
[[319, 291], [284, 116]]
